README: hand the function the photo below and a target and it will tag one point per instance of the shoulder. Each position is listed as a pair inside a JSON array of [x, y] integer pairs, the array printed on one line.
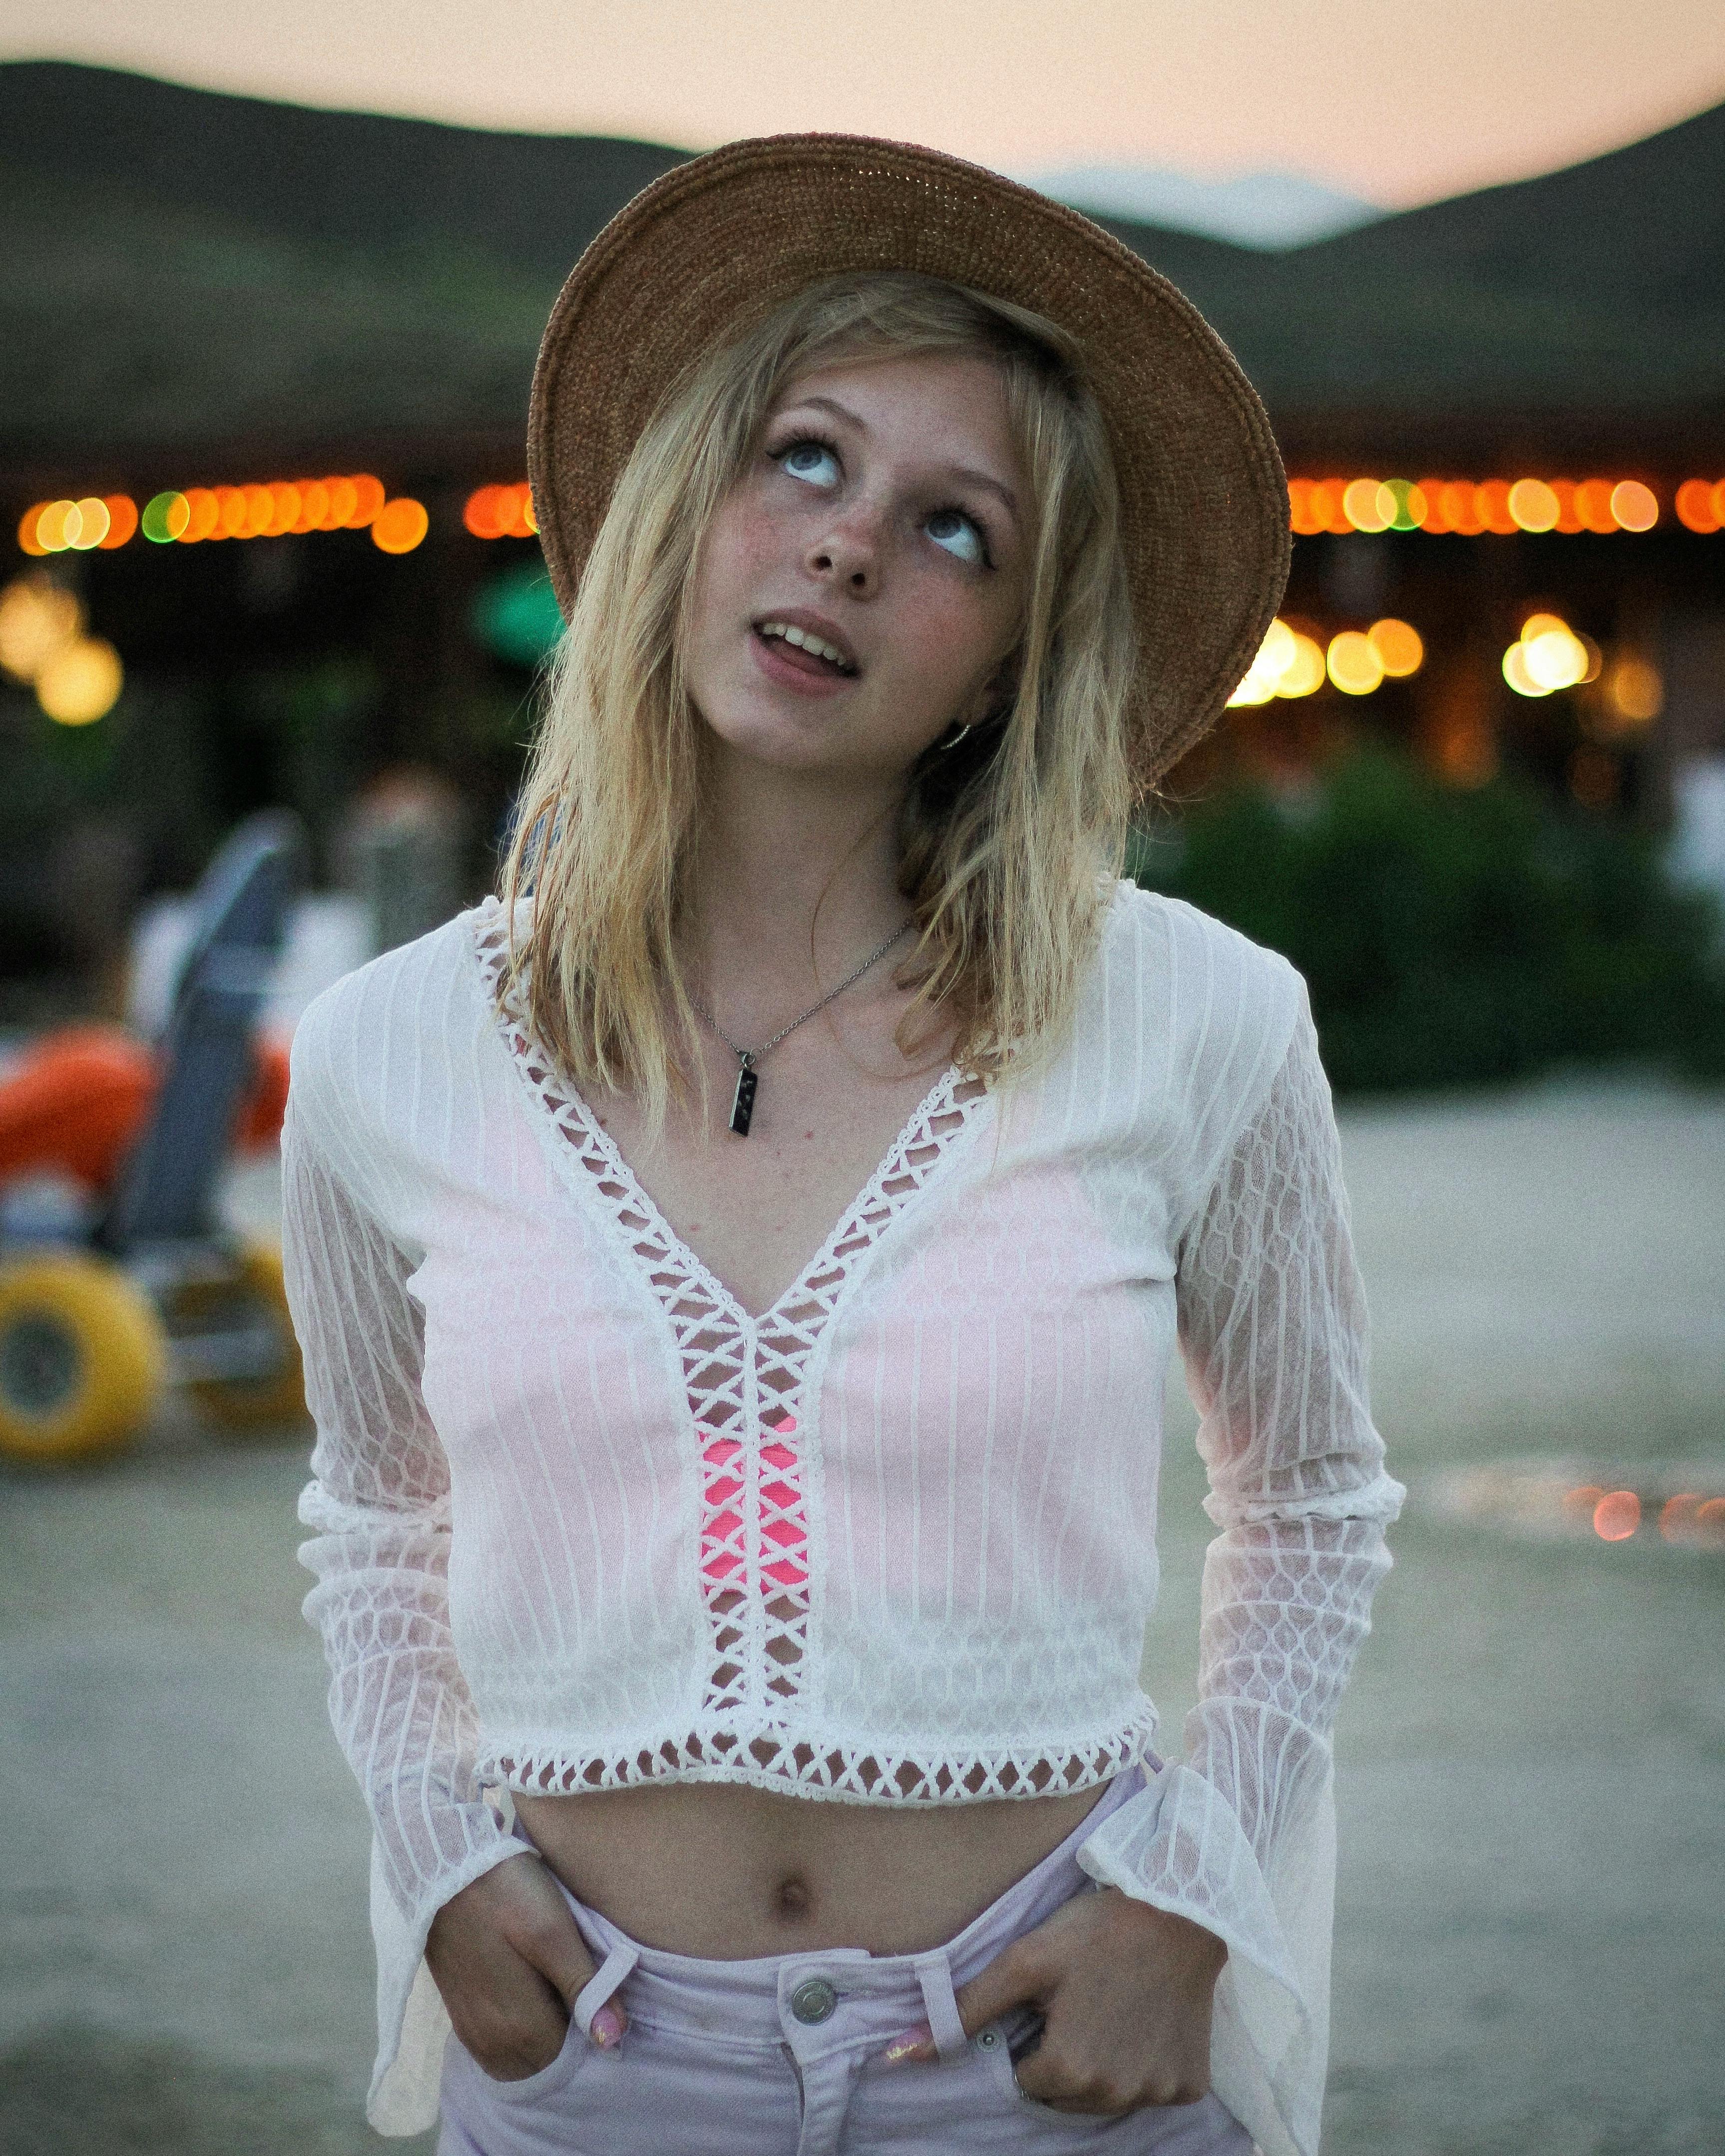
[[389, 1021], [1203, 985]]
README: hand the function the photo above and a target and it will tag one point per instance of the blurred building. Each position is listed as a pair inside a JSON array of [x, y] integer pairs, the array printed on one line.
[[263, 390]]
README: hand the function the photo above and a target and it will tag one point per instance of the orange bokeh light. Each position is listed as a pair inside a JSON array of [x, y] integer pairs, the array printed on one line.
[[368, 498], [1491, 507], [27, 524], [1617, 1515], [399, 526], [1568, 521], [204, 514], [1592, 505], [122, 521], [1695, 506]]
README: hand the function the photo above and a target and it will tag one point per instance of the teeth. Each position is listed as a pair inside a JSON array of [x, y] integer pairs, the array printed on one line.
[[805, 641]]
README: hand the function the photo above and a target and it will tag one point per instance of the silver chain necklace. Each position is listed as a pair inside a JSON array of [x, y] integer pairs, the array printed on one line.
[[743, 1104]]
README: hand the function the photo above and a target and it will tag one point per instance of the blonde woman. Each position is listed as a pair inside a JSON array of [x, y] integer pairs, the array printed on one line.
[[737, 1269]]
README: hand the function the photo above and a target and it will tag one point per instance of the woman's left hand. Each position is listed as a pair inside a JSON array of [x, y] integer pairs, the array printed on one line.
[[1125, 1992]]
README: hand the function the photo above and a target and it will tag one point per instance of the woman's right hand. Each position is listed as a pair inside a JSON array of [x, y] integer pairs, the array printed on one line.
[[510, 1961]]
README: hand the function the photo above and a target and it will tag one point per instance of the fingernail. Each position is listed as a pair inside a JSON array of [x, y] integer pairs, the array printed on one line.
[[917, 2043], [607, 2028]]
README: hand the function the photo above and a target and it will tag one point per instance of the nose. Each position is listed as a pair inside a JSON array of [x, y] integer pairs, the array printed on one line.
[[847, 554]]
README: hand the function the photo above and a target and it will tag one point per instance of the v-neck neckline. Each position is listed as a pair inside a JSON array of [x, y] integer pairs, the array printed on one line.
[[921, 1146]]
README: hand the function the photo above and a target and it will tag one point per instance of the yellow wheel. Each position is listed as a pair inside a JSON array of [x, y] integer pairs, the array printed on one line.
[[240, 1318], [81, 1358]]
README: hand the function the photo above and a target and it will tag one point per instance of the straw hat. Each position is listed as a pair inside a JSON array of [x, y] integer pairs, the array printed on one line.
[[721, 240]]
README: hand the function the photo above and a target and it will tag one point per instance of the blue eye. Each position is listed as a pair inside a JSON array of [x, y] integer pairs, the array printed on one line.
[[954, 530], [812, 463]]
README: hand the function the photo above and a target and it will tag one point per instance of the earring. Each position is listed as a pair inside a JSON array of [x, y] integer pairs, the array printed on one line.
[[950, 740]]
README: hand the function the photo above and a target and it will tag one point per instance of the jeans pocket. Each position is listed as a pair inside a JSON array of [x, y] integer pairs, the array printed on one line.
[[549, 2081]]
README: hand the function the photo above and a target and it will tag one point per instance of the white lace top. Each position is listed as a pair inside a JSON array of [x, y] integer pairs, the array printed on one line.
[[580, 1523]]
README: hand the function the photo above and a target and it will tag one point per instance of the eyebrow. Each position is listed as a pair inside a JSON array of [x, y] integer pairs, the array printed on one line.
[[957, 471]]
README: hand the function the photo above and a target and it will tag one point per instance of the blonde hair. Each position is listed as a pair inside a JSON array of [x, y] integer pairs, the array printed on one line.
[[1008, 839]]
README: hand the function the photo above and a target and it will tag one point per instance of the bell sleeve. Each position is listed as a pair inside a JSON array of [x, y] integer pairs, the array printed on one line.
[[378, 1507], [1239, 1836]]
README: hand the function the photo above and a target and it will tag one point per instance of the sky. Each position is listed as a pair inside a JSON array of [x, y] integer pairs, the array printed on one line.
[[1395, 101]]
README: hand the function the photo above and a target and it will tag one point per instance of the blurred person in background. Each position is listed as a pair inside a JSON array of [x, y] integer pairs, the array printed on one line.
[[737, 1267]]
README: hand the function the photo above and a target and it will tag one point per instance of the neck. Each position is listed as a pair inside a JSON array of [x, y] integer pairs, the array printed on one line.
[[794, 882]]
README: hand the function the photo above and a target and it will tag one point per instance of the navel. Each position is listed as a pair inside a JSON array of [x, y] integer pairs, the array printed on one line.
[[791, 1898]]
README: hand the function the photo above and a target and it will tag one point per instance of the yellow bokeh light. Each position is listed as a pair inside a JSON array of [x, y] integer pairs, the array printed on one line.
[[1539, 624], [1251, 691], [1276, 653], [1515, 672], [37, 619], [57, 527], [1533, 505], [1398, 646], [1368, 506], [1556, 658], [1304, 672], [81, 682], [93, 522], [1353, 664], [1634, 506]]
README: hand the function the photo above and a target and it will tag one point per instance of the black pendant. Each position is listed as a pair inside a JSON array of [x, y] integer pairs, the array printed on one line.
[[742, 1105]]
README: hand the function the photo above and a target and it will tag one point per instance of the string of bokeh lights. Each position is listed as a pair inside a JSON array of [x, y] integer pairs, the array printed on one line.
[[1466, 508], [268, 509]]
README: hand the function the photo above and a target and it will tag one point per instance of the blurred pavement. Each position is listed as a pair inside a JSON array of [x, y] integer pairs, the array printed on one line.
[[1530, 1957]]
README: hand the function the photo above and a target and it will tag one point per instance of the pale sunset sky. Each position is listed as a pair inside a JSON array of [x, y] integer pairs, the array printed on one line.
[[1398, 101]]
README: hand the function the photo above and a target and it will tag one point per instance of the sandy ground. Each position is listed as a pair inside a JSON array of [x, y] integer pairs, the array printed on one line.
[[1530, 1950]]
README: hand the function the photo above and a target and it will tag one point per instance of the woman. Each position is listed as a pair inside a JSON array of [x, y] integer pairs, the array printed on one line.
[[738, 1274]]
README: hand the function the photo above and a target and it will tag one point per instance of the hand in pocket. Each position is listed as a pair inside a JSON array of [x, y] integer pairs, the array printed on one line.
[[510, 1961]]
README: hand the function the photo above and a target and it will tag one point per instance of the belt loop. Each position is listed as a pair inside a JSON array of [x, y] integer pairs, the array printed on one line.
[[604, 1984], [934, 1974]]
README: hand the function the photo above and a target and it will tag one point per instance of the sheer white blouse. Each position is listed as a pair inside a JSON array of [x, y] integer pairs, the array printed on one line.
[[579, 1521]]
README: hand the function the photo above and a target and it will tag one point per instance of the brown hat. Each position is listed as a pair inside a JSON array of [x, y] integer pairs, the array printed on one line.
[[717, 242]]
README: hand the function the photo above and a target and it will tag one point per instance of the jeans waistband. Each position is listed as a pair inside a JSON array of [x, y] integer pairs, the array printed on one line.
[[750, 2003]]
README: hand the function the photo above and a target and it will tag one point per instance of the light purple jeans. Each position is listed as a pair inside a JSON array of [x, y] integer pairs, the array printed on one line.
[[781, 2056]]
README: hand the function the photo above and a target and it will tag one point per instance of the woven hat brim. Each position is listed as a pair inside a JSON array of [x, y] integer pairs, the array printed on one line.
[[716, 242]]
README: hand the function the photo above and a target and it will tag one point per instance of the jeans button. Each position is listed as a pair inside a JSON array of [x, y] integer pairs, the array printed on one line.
[[814, 2000]]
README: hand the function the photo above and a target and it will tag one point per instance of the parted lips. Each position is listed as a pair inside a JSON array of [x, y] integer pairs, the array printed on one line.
[[723, 239]]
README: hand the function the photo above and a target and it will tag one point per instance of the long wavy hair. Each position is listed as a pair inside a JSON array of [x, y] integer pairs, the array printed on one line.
[[1008, 841]]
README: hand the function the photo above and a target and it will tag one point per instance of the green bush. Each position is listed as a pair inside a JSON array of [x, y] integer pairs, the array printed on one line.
[[1452, 937]]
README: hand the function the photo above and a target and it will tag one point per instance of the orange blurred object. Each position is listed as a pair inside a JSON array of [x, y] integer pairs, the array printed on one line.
[[400, 525], [122, 521], [1695, 506], [367, 498], [1461, 508], [27, 538], [1432, 492], [1592, 505], [285, 510], [482, 513], [203, 516], [79, 1097], [1617, 1515], [75, 1102], [1568, 521], [1492, 507]]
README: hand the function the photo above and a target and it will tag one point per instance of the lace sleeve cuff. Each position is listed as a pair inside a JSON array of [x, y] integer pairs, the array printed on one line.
[[1177, 1846]]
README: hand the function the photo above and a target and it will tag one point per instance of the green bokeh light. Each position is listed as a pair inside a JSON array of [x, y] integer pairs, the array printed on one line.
[[515, 616]]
